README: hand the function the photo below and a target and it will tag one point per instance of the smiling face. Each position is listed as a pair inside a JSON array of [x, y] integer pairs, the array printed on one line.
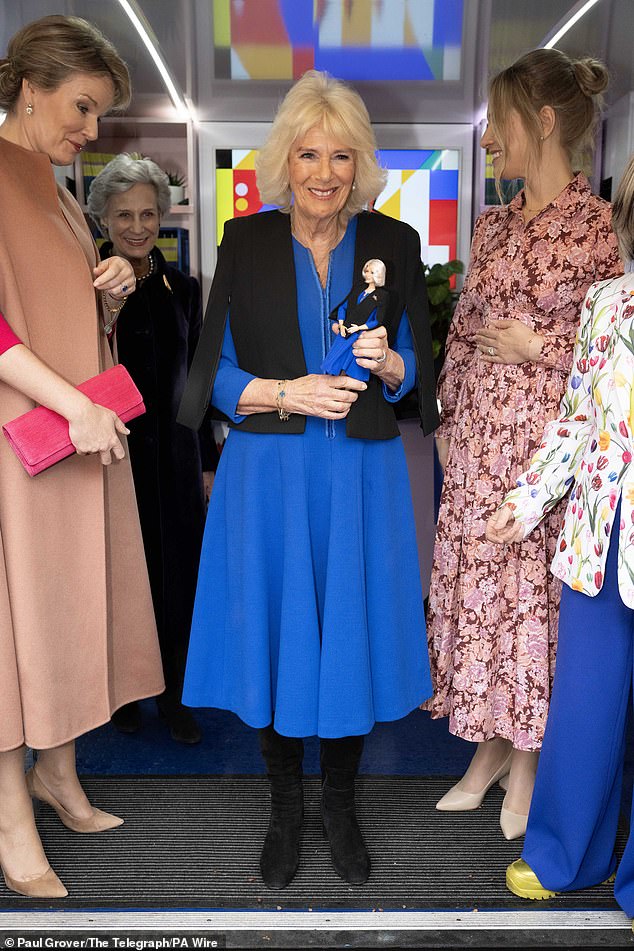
[[133, 221], [321, 172], [64, 120], [510, 161]]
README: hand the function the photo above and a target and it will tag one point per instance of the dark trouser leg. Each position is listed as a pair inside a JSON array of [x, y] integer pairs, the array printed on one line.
[[339, 767], [283, 756]]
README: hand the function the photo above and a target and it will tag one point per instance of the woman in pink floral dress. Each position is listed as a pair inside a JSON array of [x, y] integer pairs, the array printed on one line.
[[493, 613]]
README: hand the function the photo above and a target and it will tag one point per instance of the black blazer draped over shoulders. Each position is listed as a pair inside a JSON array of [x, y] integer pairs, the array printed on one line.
[[255, 279]]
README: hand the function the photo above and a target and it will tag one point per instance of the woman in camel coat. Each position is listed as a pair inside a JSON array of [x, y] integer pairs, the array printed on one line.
[[77, 635]]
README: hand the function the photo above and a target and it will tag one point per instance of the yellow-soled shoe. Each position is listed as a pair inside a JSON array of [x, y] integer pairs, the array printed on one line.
[[522, 881]]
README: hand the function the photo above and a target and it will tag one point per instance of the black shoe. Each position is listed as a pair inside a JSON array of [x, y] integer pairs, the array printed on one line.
[[279, 860], [127, 719], [180, 721], [350, 858]]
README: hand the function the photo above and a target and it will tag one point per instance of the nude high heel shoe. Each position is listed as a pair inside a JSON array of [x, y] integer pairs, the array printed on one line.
[[99, 821], [512, 824], [47, 885], [457, 800]]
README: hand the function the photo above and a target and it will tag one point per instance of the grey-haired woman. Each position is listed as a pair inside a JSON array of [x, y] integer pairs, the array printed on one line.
[[156, 335]]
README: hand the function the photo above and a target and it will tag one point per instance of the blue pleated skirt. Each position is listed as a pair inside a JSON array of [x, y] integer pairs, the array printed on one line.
[[309, 609]]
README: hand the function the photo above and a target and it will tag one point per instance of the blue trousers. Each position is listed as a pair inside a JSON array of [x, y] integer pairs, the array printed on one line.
[[573, 818]]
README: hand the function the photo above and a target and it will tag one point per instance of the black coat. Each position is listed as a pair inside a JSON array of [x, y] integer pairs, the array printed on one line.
[[255, 278], [156, 336], [358, 313]]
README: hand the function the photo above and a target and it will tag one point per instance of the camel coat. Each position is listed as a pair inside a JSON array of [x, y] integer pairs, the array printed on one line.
[[77, 631]]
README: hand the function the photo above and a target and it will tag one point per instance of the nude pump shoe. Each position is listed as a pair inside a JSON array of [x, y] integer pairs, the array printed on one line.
[[457, 800], [99, 821], [512, 824], [47, 885]]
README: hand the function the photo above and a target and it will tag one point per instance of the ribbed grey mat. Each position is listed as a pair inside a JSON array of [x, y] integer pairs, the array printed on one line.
[[193, 842]]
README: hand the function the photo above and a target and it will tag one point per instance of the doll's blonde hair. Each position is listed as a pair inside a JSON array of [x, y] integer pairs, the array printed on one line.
[[380, 282]]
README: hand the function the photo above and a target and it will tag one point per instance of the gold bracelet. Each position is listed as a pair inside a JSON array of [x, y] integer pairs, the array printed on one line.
[[112, 311], [535, 347], [279, 400]]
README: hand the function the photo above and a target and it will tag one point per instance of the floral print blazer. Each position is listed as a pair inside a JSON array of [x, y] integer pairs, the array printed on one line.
[[588, 450]]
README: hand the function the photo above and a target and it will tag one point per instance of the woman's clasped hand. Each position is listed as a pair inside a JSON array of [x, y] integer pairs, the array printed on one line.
[[319, 394], [507, 341], [370, 348], [114, 276], [503, 527], [94, 429]]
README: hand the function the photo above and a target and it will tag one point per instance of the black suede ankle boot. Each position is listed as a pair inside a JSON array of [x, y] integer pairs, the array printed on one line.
[[280, 853], [350, 858]]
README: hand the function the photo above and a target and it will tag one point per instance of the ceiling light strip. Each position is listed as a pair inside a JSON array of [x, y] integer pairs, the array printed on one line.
[[566, 23], [150, 42]]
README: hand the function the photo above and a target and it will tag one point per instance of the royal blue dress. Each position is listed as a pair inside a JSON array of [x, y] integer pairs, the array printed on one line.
[[309, 610]]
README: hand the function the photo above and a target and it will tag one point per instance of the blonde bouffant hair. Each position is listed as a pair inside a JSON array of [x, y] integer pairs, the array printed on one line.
[[319, 100]]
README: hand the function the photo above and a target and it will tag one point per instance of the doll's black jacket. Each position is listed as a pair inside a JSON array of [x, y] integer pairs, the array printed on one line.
[[255, 280]]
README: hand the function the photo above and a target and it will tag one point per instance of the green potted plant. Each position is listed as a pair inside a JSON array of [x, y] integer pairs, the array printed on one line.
[[442, 302], [176, 187]]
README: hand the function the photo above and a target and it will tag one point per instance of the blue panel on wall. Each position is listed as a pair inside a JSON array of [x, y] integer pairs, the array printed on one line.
[[358, 63], [298, 20], [404, 158], [447, 23], [443, 183]]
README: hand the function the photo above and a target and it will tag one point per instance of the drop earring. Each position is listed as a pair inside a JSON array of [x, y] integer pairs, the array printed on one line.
[[29, 108]]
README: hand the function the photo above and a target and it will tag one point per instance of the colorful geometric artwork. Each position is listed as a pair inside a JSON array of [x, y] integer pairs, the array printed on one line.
[[422, 189], [351, 39], [237, 194]]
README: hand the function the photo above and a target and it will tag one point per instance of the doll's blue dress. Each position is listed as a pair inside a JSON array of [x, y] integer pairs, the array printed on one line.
[[309, 610], [340, 358]]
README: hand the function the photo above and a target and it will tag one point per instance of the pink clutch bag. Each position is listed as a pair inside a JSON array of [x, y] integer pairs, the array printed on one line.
[[40, 437]]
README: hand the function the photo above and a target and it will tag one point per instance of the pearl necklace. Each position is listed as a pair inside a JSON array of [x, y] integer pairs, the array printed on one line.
[[151, 269]]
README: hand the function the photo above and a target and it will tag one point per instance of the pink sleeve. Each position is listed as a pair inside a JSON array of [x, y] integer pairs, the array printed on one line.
[[7, 338]]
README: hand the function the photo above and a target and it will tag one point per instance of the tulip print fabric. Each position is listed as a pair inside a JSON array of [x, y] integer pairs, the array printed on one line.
[[588, 449], [493, 612]]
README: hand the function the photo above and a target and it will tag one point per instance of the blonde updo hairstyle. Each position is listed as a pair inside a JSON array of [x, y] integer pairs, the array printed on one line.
[[548, 77], [623, 212], [319, 100], [51, 50]]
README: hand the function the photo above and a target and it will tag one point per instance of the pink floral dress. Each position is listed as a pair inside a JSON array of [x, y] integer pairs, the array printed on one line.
[[493, 611]]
